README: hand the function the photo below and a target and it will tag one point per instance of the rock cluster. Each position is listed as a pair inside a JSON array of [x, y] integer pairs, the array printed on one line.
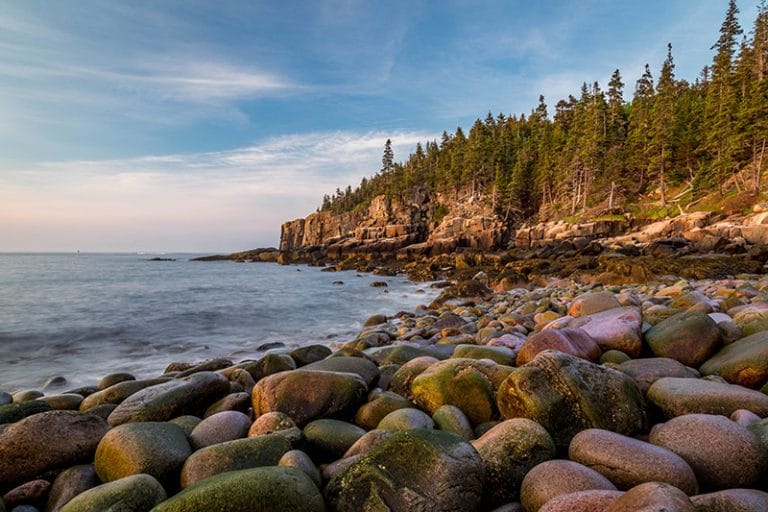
[[566, 397]]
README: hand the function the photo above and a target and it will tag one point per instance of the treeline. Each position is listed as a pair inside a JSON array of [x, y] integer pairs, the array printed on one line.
[[597, 148]]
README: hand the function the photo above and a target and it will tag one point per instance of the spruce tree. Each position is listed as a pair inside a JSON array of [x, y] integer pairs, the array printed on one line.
[[662, 124]]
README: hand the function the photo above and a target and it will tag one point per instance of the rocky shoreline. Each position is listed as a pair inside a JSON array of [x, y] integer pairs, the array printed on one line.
[[566, 397]]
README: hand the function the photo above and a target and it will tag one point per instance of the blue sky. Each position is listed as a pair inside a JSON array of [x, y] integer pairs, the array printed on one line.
[[200, 126]]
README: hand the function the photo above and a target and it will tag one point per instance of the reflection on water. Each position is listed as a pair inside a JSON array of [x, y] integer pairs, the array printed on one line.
[[83, 316]]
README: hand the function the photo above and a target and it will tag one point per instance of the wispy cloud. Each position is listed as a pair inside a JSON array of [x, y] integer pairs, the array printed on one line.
[[230, 199]]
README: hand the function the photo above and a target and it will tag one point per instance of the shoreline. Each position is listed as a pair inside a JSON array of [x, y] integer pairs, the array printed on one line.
[[678, 360]]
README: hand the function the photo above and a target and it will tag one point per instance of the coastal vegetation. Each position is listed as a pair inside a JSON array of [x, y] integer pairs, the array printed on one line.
[[669, 141]]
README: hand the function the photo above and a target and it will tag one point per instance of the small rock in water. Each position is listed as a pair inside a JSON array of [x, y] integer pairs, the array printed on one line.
[[54, 382], [338, 282], [379, 284], [270, 346]]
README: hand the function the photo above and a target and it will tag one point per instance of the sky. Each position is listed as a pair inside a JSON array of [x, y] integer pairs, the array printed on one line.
[[199, 126]]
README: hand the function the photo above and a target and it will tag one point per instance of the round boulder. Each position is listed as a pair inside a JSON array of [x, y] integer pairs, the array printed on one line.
[[732, 500], [575, 342], [722, 453], [70, 483], [628, 462], [219, 428], [653, 497], [406, 419], [265, 489], [743, 362], [509, 450], [677, 396], [555, 478], [412, 470], [689, 337], [158, 449], [327, 439], [135, 493]]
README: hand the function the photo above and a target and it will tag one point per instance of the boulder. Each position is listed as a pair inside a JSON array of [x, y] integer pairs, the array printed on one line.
[[451, 419], [135, 493], [404, 376], [614, 329], [114, 378], [309, 354], [70, 483], [468, 384], [566, 395], [575, 342], [305, 395], [509, 451], [500, 355], [234, 455], [406, 419], [700, 440], [46, 441], [648, 370], [220, 428], [264, 489], [743, 362], [16, 411], [752, 318], [372, 412], [628, 462], [158, 449], [732, 500], [652, 497], [593, 302], [301, 461], [581, 501], [411, 471], [327, 439], [689, 337], [367, 370], [25, 495], [677, 396], [161, 402], [555, 478], [118, 392]]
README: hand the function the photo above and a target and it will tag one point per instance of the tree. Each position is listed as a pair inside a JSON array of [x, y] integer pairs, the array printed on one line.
[[663, 123], [638, 136]]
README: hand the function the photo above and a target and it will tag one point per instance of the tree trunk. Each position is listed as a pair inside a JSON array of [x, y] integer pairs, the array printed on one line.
[[610, 198]]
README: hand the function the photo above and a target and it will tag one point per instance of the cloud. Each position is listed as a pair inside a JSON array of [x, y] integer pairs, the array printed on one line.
[[214, 201]]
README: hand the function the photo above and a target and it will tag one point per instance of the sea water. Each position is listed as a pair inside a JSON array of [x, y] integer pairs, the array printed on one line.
[[83, 316]]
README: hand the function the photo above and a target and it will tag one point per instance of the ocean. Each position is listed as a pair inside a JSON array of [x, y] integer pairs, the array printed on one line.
[[83, 316]]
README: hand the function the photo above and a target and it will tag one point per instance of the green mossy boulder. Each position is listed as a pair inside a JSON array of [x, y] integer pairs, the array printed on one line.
[[153, 448], [380, 404], [500, 355], [566, 395], [743, 362], [327, 440], [509, 450], [403, 378], [415, 470], [135, 493], [161, 402], [11, 413], [234, 455], [689, 337], [451, 419], [406, 419], [305, 395], [468, 384], [264, 489]]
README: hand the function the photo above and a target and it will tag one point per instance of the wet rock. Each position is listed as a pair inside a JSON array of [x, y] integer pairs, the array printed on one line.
[[301, 461], [466, 383], [404, 376], [555, 478], [29, 493], [272, 422], [590, 303], [161, 402], [367, 370], [509, 451], [732, 500], [158, 449], [406, 419], [232, 456], [653, 497], [743, 362], [500, 355], [47, 441], [136, 493], [413, 470], [689, 337], [566, 395], [375, 320], [187, 423], [328, 440], [752, 318], [676, 397], [575, 342], [451, 419], [26, 395], [278, 489], [211, 365], [114, 378], [70, 483], [368, 442], [647, 371], [305, 395], [219, 428], [614, 329], [700, 438], [238, 402], [372, 412], [628, 462], [309, 354], [118, 392], [5, 398], [268, 365], [582, 501], [14, 412]]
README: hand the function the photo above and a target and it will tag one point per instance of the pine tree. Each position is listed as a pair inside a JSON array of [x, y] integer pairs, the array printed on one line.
[[638, 136], [662, 124]]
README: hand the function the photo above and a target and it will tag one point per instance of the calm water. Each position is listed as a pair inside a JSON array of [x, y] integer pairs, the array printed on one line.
[[82, 316]]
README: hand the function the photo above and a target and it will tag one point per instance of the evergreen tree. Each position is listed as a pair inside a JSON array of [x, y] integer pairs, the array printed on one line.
[[663, 123], [638, 136]]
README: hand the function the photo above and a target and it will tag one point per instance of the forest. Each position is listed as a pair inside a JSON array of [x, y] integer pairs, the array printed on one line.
[[673, 141]]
